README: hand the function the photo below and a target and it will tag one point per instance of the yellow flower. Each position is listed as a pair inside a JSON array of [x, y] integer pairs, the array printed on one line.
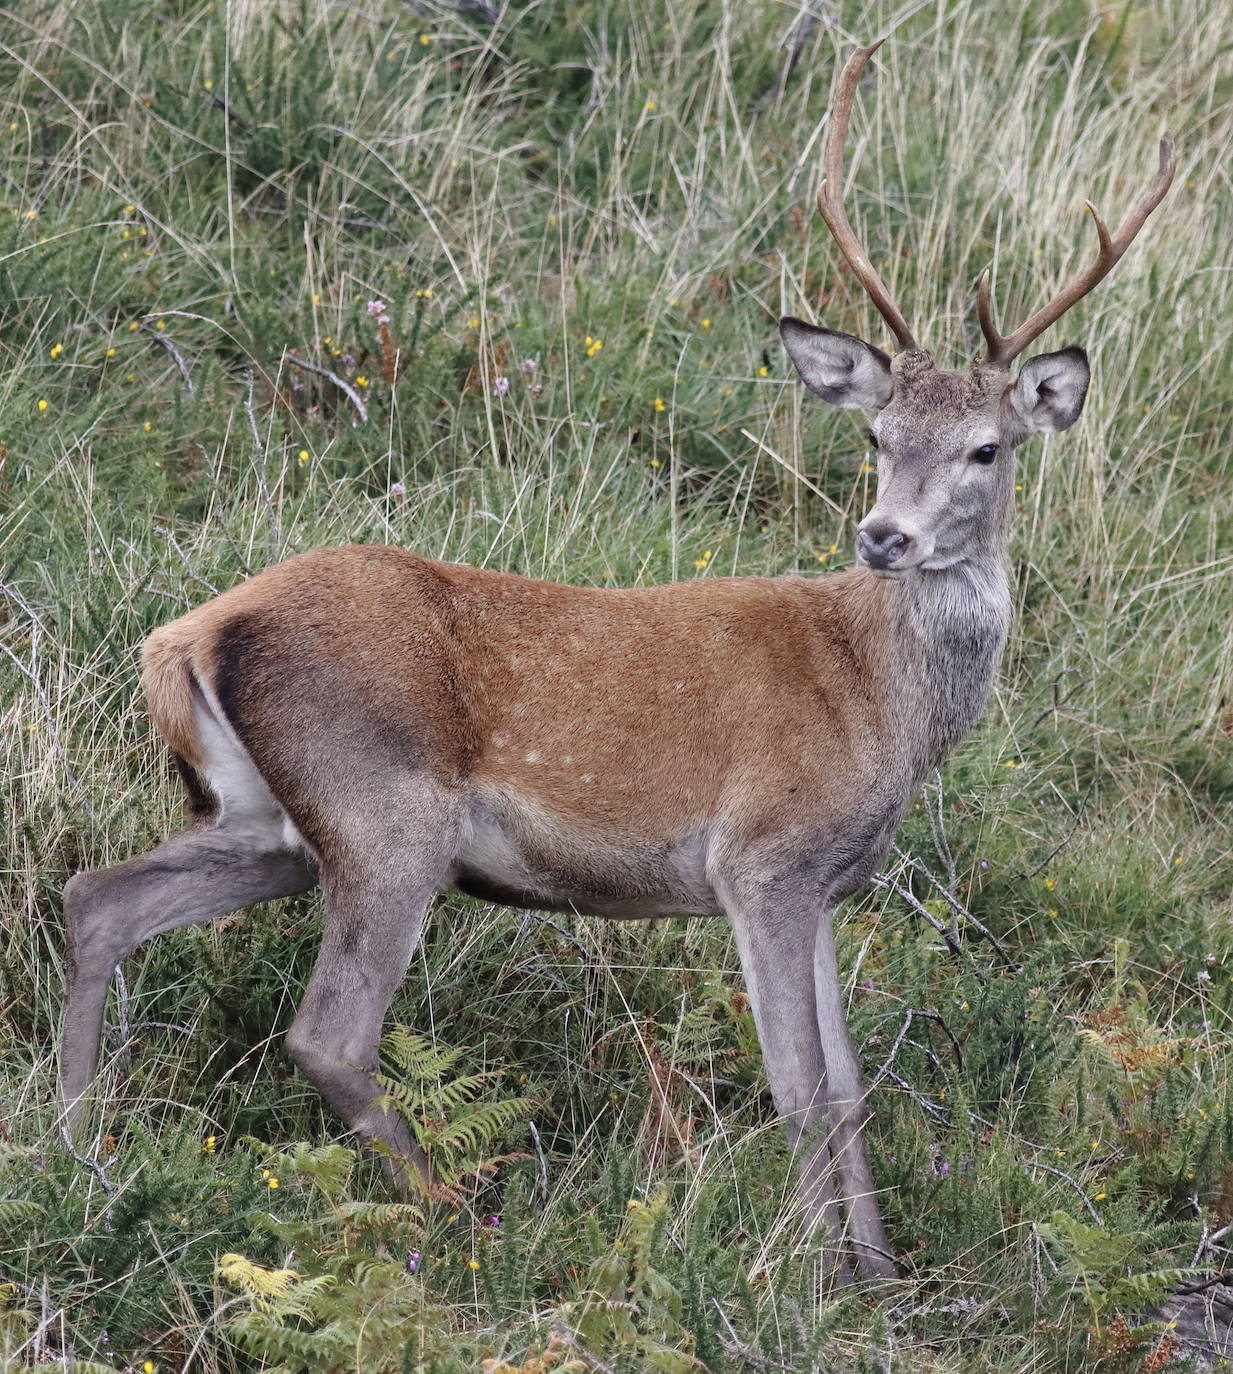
[[473, 1264], [316, 298], [1095, 1144], [208, 1147], [303, 456], [659, 403], [1052, 913], [425, 39], [56, 350], [473, 322], [1100, 1197], [136, 324], [149, 1367], [361, 381], [650, 106], [764, 372], [701, 563], [147, 426], [160, 324], [273, 1183], [706, 324], [1050, 884], [654, 462], [34, 214], [111, 353], [209, 85], [42, 405]]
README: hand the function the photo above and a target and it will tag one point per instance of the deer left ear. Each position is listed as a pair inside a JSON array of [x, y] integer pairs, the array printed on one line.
[[1050, 389]]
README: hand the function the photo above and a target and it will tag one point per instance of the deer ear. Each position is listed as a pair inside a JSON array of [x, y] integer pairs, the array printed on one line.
[[1050, 389], [842, 369]]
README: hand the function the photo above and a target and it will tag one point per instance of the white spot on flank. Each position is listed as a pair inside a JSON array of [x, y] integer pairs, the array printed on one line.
[[586, 777], [533, 756], [500, 741], [567, 758]]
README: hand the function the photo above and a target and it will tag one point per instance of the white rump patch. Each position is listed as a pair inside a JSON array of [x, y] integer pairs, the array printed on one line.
[[244, 800]]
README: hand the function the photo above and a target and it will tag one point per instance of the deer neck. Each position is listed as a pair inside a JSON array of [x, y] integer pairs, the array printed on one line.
[[937, 649]]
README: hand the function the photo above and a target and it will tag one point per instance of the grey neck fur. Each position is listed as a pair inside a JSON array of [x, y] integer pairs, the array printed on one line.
[[952, 624]]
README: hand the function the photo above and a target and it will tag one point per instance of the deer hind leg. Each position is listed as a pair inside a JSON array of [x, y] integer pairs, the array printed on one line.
[[203, 872], [380, 873], [776, 951], [238, 851]]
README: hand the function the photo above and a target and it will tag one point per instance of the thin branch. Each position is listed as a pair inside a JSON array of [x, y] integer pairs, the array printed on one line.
[[348, 391], [1064, 841], [740, 1351], [1189, 1289], [263, 468], [176, 355]]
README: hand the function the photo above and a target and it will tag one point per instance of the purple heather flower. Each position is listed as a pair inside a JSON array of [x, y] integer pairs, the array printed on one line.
[[942, 1167], [529, 364], [397, 489], [413, 1261], [984, 863], [376, 308], [492, 1221], [501, 386], [868, 984]]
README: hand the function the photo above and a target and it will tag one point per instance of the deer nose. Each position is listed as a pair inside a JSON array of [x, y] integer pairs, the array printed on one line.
[[881, 546]]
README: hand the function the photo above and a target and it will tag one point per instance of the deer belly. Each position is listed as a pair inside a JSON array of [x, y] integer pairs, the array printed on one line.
[[523, 857]]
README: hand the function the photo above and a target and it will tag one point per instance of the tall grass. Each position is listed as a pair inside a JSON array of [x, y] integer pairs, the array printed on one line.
[[197, 195]]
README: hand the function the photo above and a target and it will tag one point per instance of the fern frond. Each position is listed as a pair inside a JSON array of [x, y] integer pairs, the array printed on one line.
[[477, 1127]]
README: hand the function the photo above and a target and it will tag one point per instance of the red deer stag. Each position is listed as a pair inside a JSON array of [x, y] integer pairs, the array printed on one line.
[[388, 726]]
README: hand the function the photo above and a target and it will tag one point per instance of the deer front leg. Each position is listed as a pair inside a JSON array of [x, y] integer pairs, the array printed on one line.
[[203, 872], [776, 951], [846, 1106]]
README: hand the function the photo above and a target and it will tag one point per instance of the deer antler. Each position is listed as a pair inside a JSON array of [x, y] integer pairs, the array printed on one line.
[[1004, 349], [830, 198]]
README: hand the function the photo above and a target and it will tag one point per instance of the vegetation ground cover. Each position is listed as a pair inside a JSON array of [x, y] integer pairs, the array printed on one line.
[[582, 222]]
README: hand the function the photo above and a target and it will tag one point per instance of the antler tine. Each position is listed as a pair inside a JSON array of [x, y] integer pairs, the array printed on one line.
[[830, 197], [1002, 350]]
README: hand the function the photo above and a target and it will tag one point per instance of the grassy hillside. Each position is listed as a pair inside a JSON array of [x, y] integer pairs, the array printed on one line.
[[583, 221]]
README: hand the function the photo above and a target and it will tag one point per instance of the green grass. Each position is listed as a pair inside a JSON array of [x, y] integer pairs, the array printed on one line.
[[218, 189]]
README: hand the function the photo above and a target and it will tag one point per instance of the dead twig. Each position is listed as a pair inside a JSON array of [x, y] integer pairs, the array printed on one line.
[[177, 357], [348, 391]]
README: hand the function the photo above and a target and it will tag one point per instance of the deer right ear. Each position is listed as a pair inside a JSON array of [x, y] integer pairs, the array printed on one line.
[[842, 369]]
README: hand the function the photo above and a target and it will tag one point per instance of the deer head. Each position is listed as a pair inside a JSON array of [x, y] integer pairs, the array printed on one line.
[[944, 438]]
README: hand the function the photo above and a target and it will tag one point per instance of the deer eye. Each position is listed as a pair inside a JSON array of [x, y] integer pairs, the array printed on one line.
[[873, 440], [985, 454]]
